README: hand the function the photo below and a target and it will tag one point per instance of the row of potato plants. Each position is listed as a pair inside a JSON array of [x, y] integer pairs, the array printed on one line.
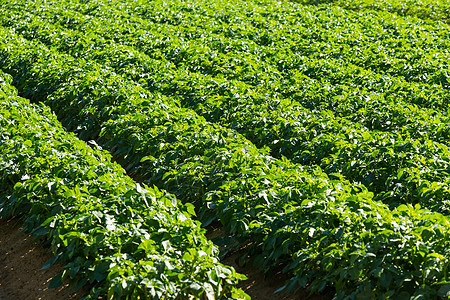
[[64, 17], [420, 55], [397, 166], [386, 45], [424, 9], [199, 21], [127, 240], [370, 110], [382, 43], [154, 40], [324, 232]]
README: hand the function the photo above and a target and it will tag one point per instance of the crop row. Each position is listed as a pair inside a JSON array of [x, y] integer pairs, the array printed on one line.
[[407, 165], [436, 10], [284, 36], [322, 231], [218, 25], [420, 54], [127, 239], [294, 69], [367, 108]]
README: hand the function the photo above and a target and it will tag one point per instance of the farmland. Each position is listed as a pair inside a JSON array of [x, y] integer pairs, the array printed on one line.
[[315, 134]]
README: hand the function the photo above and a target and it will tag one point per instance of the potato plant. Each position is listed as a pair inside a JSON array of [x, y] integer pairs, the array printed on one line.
[[127, 239], [316, 135]]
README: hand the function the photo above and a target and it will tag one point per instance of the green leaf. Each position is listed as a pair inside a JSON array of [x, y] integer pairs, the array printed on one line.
[[56, 281], [147, 246]]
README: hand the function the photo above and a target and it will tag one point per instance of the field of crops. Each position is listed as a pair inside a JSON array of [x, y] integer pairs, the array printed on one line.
[[316, 133]]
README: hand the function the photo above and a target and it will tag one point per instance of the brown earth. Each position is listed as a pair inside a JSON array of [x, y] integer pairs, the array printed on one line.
[[21, 260]]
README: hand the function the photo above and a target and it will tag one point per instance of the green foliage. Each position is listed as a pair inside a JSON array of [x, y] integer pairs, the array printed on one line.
[[125, 238], [436, 10], [184, 93], [340, 105]]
